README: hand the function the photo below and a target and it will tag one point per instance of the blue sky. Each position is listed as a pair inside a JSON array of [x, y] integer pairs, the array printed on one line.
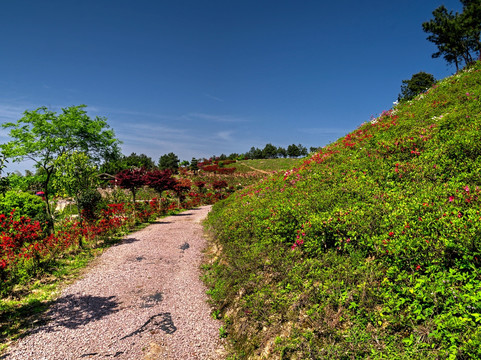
[[199, 78]]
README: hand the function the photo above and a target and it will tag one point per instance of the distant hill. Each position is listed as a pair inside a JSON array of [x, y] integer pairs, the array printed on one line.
[[371, 248]]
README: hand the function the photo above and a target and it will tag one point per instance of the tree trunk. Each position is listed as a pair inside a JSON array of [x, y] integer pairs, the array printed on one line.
[[51, 224]]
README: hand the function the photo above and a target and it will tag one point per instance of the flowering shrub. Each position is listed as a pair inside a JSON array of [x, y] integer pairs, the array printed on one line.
[[210, 168], [219, 184]]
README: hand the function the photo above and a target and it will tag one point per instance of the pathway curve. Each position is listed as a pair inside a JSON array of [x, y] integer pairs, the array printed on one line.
[[143, 299], [258, 170]]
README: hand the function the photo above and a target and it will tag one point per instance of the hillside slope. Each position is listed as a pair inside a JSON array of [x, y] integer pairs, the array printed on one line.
[[370, 249]]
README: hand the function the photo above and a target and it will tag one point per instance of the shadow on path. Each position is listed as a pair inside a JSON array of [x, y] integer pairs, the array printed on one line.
[[162, 321], [73, 311], [126, 241]]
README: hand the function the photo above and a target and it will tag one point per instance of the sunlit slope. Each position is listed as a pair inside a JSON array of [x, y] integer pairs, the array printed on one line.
[[371, 248]]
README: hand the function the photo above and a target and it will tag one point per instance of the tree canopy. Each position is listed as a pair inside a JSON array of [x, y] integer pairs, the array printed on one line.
[[169, 161], [417, 84], [43, 135], [456, 35]]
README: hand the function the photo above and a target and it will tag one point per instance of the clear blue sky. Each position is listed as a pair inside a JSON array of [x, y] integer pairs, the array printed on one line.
[[205, 77]]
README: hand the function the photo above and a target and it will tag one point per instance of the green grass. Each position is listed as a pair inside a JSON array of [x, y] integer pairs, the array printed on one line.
[[24, 308], [269, 165], [370, 248]]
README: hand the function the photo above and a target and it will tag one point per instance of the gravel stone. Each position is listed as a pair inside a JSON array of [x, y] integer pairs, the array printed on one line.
[[143, 299]]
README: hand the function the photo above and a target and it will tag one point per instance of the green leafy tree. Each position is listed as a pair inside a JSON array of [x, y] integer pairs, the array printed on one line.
[[194, 165], [160, 181], [302, 150], [456, 35], [169, 161], [472, 23], [139, 161], [75, 176], [269, 151], [43, 135], [417, 84], [281, 152], [254, 153], [131, 179], [293, 150]]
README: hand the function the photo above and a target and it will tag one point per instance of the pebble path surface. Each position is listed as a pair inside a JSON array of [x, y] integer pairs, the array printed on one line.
[[143, 299]]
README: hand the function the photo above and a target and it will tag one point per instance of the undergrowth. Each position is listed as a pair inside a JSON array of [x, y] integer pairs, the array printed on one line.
[[370, 248]]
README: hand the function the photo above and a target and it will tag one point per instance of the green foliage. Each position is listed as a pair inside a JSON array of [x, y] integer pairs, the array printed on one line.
[[416, 85], [269, 151], [4, 180], [456, 35], [294, 150], [169, 161], [27, 183], [367, 249], [75, 174], [139, 161], [89, 203], [194, 165], [25, 204], [43, 135]]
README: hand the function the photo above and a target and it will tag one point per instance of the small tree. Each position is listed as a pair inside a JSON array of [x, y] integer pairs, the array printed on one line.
[[181, 187], [42, 136], [417, 84], [269, 151], [194, 165], [131, 179], [76, 176], [293, 151], [169, 161], [302, 150], [254, 153], [160, 180], [139, 161], [281, 152]]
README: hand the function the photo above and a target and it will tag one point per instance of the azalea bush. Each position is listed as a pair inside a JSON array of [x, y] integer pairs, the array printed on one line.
[[27, 249], [370, 248]]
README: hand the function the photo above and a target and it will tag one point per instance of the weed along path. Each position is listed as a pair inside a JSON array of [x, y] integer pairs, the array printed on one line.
[[142, 299]]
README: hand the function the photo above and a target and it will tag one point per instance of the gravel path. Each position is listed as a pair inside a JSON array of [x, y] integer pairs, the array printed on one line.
[[143, 299]]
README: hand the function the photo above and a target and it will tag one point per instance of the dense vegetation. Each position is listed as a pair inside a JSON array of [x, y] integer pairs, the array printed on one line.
[[369, 249]]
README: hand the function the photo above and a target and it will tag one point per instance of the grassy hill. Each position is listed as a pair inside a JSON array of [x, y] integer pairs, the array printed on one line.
[[265, 165], [371, 248]]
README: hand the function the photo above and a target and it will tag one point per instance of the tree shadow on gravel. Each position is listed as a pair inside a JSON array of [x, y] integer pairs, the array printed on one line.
[[73, 311], [126, 241], [162, 321]]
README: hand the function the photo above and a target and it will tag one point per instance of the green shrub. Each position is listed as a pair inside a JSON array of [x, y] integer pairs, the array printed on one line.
[[89, 203], [25, 204]]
